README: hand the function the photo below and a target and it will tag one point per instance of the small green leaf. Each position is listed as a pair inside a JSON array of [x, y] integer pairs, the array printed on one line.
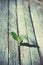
[[18, 38], [22, 37], [14, 36]]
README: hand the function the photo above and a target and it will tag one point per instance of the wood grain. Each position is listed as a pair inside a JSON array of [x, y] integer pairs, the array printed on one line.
[[3, 32], [13, 48]]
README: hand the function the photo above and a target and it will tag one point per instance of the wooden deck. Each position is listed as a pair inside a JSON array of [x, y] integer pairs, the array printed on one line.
[[18, 16]]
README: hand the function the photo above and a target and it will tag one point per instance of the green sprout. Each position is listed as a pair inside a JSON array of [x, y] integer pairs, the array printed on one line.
[[18, 38]]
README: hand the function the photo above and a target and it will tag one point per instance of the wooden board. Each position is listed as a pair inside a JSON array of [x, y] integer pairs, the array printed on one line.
[[35, 56], [34, 51], [28, 24], [21, 20], [25, 55], [37, 14], [3, 33], [13, 48]]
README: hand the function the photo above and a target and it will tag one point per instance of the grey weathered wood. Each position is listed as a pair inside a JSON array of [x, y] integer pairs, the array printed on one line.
[[35, 56], [37, 14], [3, 32], [21, 20], [25, 52], [28, 24], [31, 37], [13, 48], [25, 56], [29, 56]]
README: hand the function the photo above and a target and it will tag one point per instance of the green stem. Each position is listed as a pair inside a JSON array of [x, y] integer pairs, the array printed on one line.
[[18, 43]]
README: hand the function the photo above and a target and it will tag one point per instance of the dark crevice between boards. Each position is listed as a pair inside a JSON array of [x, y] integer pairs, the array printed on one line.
[[8, 32], [34, 33], [28, 45], [18, 33]]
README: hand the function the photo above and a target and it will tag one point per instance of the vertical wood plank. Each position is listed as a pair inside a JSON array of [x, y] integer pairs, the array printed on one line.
[[28, 24], [36, 60], [31, 36], [13, 48], [25, 52], [38, 25], [35, 56], [25, 56], [3, 32], [34, 52], [36, 12]]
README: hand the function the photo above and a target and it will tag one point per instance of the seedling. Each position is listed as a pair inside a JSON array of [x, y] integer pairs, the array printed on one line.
[[19, 39]]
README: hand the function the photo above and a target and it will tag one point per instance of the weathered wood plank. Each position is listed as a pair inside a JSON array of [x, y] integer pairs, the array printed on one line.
[[35, 56], [38, 25], [28, 24], [25, 56], [3, 32], [37, 16], [25, 52], [13, 48], [21, 20], [31, 36]]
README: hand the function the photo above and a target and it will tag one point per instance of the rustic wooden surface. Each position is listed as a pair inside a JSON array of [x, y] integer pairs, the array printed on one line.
[[37, 16], [25, 57], [29, 56], [3, 33], [13, 48]]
